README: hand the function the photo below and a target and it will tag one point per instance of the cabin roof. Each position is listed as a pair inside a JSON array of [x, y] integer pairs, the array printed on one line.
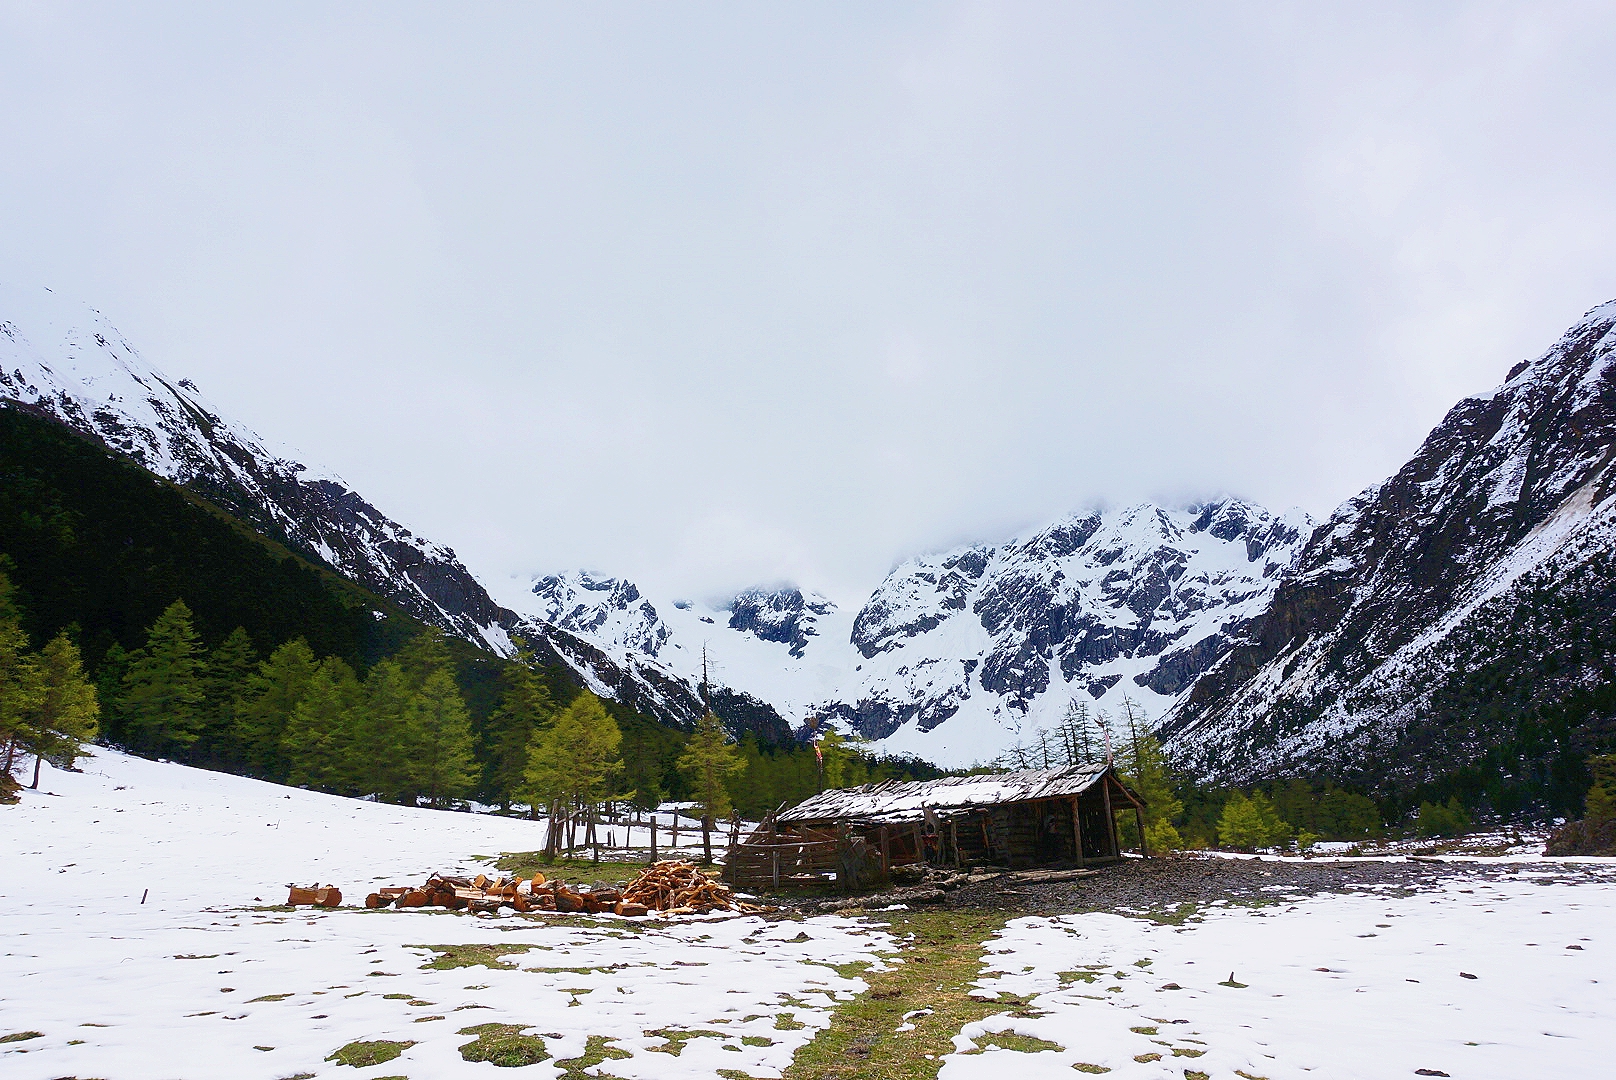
[[899, 800]]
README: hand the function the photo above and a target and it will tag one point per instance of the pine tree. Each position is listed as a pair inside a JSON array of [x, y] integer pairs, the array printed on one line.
[[224, 683], [523, 707], [65, 718], [319, 737], [266, 706], [437, 731], [162, 690], [707, 764]]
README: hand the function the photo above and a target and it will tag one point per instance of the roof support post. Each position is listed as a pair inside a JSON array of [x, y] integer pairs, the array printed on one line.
[[1139, 820], [1110, 818], [1077, 828]]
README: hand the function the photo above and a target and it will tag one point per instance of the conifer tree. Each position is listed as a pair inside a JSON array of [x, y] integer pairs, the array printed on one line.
[[382, 755], [20, 684], [319, 738], [272, 693], [65, 718], [437, 731], [1144, 769], [574, 763], [225, 676], [162, 689], [524, 706], [1250, 822], [708, 763]]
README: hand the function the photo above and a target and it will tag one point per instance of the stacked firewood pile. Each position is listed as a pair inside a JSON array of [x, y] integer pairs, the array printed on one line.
[[672, 888], [678, 888]]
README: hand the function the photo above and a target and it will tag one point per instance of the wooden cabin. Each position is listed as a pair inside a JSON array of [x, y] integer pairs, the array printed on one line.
[[1034, 818]]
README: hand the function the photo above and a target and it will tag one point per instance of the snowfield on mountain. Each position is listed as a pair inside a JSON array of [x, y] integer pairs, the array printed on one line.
[[956, 656]]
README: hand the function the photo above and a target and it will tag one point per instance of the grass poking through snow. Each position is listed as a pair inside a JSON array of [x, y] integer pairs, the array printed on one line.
[[942, 959]]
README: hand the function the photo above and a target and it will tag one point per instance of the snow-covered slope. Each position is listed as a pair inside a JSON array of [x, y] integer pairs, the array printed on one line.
[[1436, 611], [956, 656], [67, 361], [143, 942]]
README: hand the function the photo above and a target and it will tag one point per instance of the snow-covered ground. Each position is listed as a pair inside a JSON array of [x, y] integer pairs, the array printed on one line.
[[199, 982], [207, 979], [1505, 979]]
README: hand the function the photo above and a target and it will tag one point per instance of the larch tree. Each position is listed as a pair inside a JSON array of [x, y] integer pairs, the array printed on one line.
[[523, 708], [162, 689], [320, 747], [1144, 768], [437, 730], [271, 694], [707, 764], [574, 764], [67, 713], [20, 684], [224, 682]]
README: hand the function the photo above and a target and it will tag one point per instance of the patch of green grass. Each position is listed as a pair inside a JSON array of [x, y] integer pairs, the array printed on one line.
[[424, 1019], [269, 997], [597, 1048], [757, 1040], [1179, 1051], [787, 1022], [503, 1045], [395, 997], [942, 954], [677, 1037], [527, 863], [1085, 1067], [459, 956], [1011, 1040], [362, 1055], [21, 1036], [853, 969], [1067, 978]]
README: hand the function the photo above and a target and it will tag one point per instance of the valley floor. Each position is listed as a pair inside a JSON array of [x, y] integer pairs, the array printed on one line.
[[1501, 969]]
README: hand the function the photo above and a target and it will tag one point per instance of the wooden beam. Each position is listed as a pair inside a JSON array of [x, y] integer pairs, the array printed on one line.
[[1110, 819], [1077, 827], [1139, 821]]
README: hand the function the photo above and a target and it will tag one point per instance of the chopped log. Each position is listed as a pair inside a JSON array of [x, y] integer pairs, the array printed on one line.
[[413, 898], [624, 907], [328, 897], [376, 900], [301, 897]]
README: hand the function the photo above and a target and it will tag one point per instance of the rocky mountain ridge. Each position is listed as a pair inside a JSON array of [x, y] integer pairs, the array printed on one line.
[[1399, 644], [955, 656]]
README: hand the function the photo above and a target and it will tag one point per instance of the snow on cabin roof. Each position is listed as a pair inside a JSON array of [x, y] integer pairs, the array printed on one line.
[[896, 799]]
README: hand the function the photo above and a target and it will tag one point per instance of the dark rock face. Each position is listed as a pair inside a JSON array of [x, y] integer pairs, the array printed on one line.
[[1498, 527], [782, 615], [747, 716]]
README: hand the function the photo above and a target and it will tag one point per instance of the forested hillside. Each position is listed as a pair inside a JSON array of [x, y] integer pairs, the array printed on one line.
[[212, 644]]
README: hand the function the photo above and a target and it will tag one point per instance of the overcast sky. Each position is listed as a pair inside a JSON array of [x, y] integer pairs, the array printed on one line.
[[714, 294]]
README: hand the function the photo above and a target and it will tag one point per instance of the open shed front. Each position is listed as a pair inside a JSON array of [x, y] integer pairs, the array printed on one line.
[[1034, 818]]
